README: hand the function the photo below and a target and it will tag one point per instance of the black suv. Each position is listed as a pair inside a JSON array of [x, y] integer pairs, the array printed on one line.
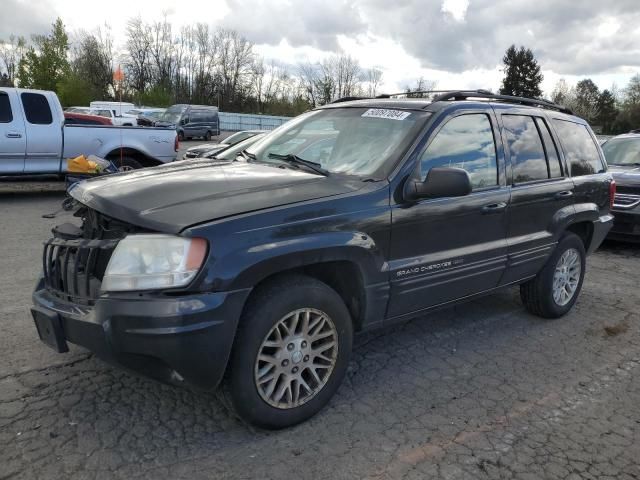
[[259, 270]]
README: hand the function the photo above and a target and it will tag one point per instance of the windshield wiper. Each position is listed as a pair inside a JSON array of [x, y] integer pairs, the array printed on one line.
[[296, 160], [246, 155]]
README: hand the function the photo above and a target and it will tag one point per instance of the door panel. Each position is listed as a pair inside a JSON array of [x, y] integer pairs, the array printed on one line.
[[534, 215], [541, 196], [12, 135], [44, 135], [448, 248]]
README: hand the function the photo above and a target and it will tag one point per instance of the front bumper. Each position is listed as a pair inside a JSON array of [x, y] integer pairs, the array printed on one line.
[[626, 226], [172, 339]]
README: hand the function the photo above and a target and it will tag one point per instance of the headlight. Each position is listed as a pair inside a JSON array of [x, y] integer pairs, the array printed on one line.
[[149, 262]]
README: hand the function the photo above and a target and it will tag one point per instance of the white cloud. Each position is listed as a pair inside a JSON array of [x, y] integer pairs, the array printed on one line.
[[456, 8]]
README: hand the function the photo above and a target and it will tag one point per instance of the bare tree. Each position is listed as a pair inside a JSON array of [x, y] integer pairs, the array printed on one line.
[[11, 52], [372, 78], [138, 61]]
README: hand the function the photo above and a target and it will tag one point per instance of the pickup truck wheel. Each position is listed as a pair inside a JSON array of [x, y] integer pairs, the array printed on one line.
[[181, 136], [207, 136], [555, 289], [126, 164], [291, 352]]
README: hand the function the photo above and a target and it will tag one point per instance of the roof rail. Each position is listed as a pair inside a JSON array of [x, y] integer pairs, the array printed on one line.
[[348, 99], [464, 94]]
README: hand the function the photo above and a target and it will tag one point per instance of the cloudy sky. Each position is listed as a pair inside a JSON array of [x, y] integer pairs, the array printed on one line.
[[457, 43]]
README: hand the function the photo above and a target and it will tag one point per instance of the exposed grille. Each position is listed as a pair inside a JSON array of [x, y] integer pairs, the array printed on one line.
[[73, 269], [626, 201]]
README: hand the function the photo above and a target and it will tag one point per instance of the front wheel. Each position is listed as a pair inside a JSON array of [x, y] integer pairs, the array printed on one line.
[[555, 289], [291, 352], [207, 136]]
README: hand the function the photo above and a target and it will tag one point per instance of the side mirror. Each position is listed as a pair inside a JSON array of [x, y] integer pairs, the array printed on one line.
[[440, 182]]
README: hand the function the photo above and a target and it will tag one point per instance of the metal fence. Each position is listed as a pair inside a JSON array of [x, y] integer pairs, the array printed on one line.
[[233, 122]]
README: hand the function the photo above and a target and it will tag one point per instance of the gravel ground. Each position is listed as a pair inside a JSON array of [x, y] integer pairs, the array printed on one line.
[[483, 390]]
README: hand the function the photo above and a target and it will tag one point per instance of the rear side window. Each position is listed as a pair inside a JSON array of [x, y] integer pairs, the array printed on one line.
[[579, 148], [465, 142], [36, 108], [553, 159], [6, 115], [525, 149]]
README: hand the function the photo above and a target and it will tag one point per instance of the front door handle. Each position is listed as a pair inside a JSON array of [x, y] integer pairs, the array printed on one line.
[[13, 135], [563, 195], [494, 208]]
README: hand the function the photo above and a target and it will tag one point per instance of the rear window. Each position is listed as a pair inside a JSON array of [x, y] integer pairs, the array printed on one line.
[[36, 109], [579, 148], [6, 115]]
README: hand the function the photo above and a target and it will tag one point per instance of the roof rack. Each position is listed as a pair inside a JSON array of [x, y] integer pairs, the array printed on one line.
[[465, 94], [445, 95]]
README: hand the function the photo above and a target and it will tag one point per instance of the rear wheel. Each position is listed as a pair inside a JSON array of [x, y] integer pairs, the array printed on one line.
[[291, 352], [125, 164], [555, 289], [207, 136], [181, 136]]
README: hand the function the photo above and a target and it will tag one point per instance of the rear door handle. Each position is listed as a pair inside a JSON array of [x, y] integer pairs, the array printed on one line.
[[13, 135], [563, 195], [494, 208]]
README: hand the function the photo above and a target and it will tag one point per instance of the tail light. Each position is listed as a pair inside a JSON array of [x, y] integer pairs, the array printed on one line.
[[612, 193], [176, 144]]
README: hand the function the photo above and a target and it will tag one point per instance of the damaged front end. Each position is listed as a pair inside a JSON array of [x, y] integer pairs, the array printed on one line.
[[75, 259]]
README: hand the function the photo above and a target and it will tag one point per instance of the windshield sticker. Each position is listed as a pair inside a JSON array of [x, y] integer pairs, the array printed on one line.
[[386, 113]]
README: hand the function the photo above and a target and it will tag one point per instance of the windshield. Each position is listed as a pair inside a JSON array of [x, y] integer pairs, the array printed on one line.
[[355, 141], [237, 137], [172, 114], [622, 151], [231, 152]]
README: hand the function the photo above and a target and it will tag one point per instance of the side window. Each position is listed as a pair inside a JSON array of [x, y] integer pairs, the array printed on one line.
[[579, 148], [553, 159], [525, 149], [6, 115], [36, 108], [465, 142]]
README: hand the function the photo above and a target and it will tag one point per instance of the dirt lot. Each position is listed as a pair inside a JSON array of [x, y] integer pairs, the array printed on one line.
[[484, 390]]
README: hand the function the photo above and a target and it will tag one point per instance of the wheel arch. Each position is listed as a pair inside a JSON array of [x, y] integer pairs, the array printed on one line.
[[143, 159]]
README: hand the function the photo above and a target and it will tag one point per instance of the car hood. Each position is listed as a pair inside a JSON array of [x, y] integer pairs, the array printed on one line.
[[626, 176], [203, 147], [172, 197]]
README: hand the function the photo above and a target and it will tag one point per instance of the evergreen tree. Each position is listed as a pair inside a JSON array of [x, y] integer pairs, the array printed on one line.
[[607, 111], [45, 63], [522, 76]]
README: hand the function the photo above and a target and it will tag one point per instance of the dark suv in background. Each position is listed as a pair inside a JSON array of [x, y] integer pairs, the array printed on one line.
[[623, 156], [260, 269], [191, 121]]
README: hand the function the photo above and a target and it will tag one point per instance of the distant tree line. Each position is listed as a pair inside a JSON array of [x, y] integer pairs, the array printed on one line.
[[214, 66], [197, 64], [610, 111]]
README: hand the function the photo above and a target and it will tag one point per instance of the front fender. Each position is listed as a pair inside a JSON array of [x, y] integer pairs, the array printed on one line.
[[244, 267]]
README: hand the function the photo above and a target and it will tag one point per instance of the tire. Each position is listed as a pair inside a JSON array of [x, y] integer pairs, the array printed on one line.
[[538, 293], [207, 136], [181, 136], [266, 311], [125, 164]]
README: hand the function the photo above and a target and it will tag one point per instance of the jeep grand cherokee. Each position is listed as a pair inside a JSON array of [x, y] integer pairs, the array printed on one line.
[[257, 272]]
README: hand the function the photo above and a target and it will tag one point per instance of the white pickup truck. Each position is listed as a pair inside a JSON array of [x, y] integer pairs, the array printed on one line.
[[34, 138]]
